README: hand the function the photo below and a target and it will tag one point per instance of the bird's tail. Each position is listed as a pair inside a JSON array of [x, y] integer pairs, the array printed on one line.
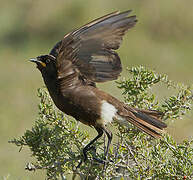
[[147, 121]]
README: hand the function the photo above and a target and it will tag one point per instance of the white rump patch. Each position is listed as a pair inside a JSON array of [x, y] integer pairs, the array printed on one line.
[[108, 112]]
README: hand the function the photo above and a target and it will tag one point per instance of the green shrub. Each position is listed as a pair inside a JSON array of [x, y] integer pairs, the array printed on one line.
[[56, 140]]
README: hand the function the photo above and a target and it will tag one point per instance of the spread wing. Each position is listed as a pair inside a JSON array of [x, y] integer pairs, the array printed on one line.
[[90, 49]]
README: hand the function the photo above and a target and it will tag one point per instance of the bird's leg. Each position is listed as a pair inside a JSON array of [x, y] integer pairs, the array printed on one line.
[[109, 136], [89, 145]]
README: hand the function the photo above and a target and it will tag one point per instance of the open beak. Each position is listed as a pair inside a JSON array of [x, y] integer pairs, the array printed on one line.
[[35, 60]]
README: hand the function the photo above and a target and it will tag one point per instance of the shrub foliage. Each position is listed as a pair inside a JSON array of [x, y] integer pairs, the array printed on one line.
[[56, 140]]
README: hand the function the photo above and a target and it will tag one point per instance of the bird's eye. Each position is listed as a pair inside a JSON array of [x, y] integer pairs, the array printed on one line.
[[47, 61]]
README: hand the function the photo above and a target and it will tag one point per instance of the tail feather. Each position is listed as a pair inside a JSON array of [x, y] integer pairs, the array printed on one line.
[[152, 113], [151, 120], [146, 120], [145, 128]]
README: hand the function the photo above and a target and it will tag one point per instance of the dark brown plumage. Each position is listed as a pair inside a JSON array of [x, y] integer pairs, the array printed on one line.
[[84, 57]]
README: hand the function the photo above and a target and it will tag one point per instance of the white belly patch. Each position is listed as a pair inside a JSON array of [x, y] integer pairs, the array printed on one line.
[[108, 112]]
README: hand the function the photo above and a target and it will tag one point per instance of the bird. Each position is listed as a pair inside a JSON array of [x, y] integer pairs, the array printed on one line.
[[87, 56]]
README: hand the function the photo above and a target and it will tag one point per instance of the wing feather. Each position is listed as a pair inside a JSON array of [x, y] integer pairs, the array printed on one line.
[[91, 47]]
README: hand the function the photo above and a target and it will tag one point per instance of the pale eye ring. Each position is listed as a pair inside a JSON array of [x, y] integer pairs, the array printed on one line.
[[47, 61]]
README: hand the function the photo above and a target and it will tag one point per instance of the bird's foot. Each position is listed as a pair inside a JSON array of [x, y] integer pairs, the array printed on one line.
[[103, 161], [79, 164], [100, 161]]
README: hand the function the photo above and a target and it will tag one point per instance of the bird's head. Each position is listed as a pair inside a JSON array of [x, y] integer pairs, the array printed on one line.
[[45, 63]]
